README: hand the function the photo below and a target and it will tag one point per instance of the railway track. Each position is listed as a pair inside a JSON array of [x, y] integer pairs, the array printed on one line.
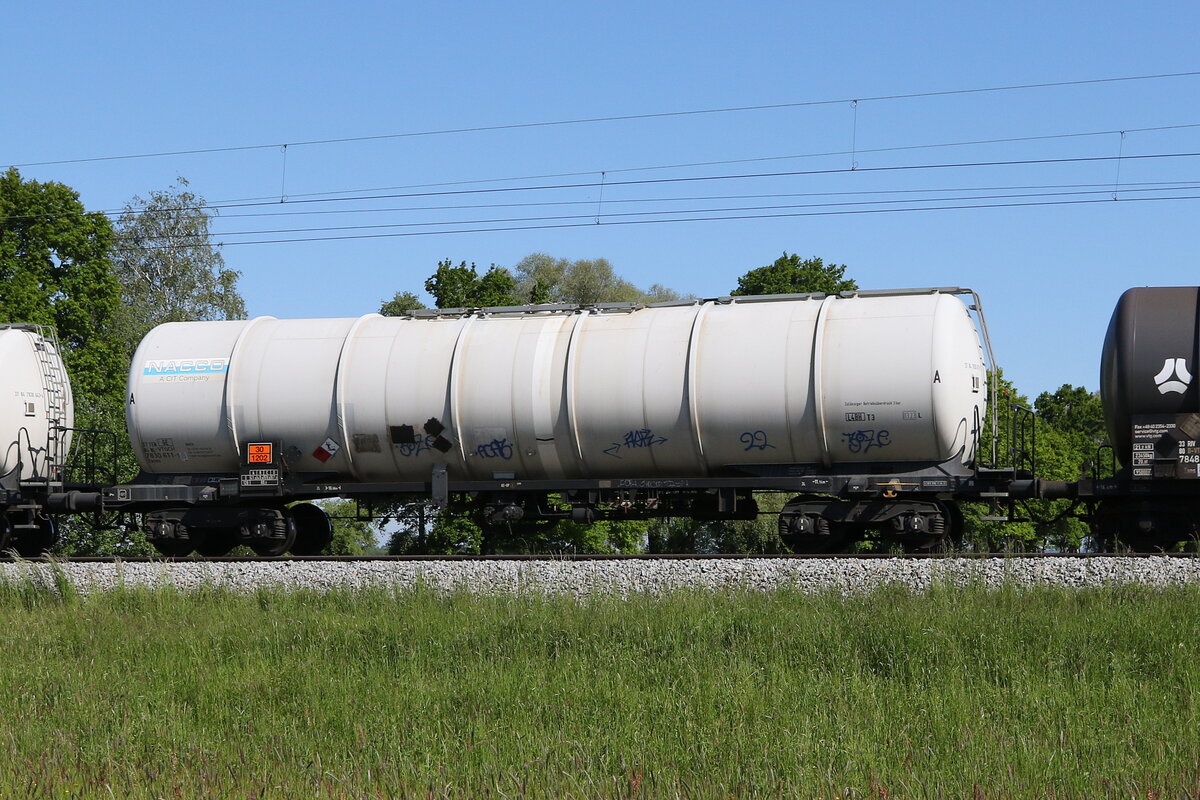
[[592, 575]]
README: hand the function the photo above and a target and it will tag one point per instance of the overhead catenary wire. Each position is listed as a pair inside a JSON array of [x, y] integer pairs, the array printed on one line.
[[360, 194], [840, 212], [686, 198], [728, 161], [671, 199], [623, 214], [737, 176], [692, 179], [611, 118], [641, 182], [715, 163]]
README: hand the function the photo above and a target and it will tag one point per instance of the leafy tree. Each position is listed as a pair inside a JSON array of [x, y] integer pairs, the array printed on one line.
[[422, 529], [401, 304], [55, 270], [545, 279], [792, 275], [169, 268], [464, 287], [410, 523], [685, 535], [1068, 429], [539, 292], [543, 271], [1071, 424], [351, 536], [657, 293], [990, 535], [605, 536], [595, 281], [1076, 413]]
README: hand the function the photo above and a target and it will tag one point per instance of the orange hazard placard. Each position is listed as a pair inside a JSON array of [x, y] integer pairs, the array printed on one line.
[[259, 453]]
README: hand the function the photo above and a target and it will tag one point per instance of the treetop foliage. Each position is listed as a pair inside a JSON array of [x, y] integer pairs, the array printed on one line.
[[537, 278], [401, 304], [1075, 411], [169, 269], [55, 270], [545, 279], [464, 287], [790, 274]]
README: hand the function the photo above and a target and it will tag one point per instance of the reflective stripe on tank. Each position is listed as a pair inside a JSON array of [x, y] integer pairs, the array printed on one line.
[[339, 383], [690, 386], [455, 365], [230, 396], [569, 380], [818, 374], [544, 404]]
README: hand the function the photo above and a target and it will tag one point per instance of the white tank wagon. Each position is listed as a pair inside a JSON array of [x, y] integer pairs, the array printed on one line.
[[36, 417], [687, 390], [880, 391]]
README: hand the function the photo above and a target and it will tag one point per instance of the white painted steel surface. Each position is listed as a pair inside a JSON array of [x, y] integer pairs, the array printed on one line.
[[29, 411], [667, 391]]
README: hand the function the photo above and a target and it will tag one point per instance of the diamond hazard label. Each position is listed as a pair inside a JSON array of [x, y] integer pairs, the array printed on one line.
[[326, 451]]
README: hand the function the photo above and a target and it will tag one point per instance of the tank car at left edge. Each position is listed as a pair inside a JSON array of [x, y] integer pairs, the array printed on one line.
[[36, 419], [865, 408]]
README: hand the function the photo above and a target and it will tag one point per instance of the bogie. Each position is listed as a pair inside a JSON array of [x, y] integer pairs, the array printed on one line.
[[814, 524]]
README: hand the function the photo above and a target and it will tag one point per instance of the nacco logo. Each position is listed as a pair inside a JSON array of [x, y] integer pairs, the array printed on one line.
[[185, 366], [1173, 377]]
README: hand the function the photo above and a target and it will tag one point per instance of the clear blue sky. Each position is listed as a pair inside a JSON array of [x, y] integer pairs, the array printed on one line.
[[86, 80]]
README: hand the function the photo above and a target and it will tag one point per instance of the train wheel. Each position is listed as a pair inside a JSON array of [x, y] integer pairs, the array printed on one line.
[[314, 531], [945, 532], [216, 542], [270, 548], [30, 544], [173, 548], [6, 530], [828, 537]]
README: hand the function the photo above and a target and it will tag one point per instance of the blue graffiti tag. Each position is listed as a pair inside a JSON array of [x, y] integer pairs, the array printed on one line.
[[496, 448], [635, 440], [862, 441], [756, 440], [422, 444]]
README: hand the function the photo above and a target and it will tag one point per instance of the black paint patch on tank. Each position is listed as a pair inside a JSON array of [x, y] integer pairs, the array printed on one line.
[[443, 444], [434, 427], [1150, 359], [403, 434]]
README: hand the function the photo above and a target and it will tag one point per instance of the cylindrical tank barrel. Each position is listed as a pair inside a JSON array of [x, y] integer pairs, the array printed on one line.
[[1150, 360], [679, 390], [37, 407]]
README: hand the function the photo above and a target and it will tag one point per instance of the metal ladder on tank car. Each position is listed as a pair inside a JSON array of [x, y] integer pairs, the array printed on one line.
[[54, 384]]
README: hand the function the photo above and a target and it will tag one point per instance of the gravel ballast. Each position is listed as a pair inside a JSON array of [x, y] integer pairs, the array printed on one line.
[[620, 577]]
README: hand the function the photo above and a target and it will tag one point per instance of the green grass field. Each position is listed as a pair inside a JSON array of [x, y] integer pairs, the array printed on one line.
[[960, 693]]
